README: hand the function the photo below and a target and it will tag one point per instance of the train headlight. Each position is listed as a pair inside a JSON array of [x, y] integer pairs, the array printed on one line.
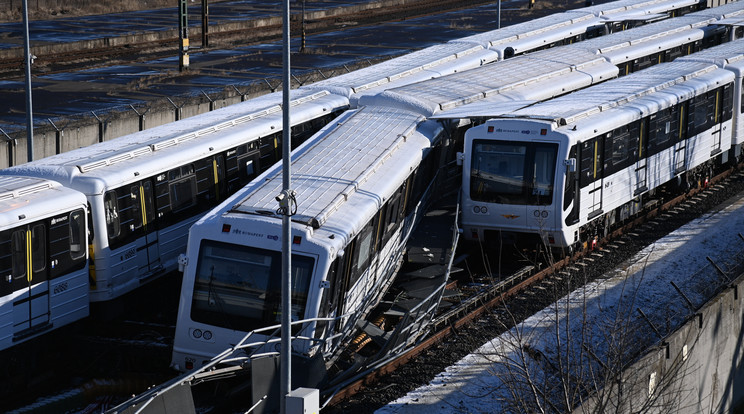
[[197, 333], [207, 335], [476, 209]]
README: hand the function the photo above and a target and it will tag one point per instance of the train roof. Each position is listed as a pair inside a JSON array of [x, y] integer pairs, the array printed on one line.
[[144, 151], [551, 69], [585, 56], [722, 55], [412, 67], [570, 108], [541, 27], [642, 6], [644, 34], [648, 11], [343, 169], [26, 199]]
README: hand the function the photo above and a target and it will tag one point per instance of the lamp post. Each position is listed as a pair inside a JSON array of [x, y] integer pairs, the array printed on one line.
[[285, 201]]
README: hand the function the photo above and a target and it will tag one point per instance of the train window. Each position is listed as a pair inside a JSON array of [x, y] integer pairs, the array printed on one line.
[[394, 212], [269, 148], [702, 113], [497, 171], [543, 173], [239, 287], [591, 167], [18, 251], [77, 234], [111, 210], [663, 129], [365, 248], [244, 163], [38, 248], [182, 187], [512, 172], [727, 104], [148, 201], [673, 53], [569, 188], [136, 211]]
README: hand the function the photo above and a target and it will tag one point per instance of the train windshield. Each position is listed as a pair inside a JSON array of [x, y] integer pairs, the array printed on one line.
[[239, 287], [512, 172]]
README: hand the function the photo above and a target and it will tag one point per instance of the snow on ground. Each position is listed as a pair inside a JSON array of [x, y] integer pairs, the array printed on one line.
[[602, 317]]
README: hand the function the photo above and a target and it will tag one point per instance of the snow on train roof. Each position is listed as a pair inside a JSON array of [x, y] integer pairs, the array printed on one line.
[[569, 108], [146, 142], [402, 67], [458, 89], [24, 199], [532, 28], [645, 33], [728, 52], [620, 6], [340, 163], [649, 11]]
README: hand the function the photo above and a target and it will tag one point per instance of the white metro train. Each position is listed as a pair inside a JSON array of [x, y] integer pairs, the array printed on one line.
[[220, 300], [43, 258], [361, 185], [144, 190], [565, 171]]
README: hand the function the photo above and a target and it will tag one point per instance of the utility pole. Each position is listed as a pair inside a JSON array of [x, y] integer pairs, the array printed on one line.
[[183, 35], [29, 59], [285, 203], [302, 47], [205, 23]]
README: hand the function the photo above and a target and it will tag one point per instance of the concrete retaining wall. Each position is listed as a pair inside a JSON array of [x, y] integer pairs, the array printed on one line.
[[64, 134], [699, 368]]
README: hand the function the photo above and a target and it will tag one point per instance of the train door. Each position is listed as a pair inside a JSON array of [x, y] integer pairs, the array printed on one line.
[[144, 209], [591, 176], [29, 278]]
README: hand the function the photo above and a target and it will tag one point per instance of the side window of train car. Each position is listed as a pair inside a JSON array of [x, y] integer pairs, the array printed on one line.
[[242, 164], [702, 112], [591, 166], [664, 129], [270, 150], [210, 176], [77, 235], [21, 247], [569, 187], [129, 210], [18, 251], [38, 248], [182, 188], [621, 147], [727, 95], [175, 194], [365, 247], [67, 244], [393, 212], [111, 211]]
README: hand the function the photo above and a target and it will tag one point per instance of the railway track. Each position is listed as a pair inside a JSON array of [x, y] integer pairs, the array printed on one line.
[[495, 307], [222, 37], [75, 365]]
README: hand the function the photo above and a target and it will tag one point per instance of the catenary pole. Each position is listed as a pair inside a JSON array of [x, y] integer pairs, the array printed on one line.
[[285, 205], [29, 106]]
